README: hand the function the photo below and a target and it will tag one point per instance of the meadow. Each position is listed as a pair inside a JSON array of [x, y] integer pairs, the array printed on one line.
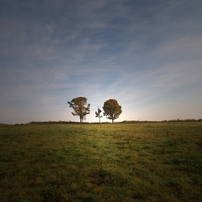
[[101, 162]]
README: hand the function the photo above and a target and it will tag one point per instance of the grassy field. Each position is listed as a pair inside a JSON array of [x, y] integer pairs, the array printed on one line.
[[101, 162]]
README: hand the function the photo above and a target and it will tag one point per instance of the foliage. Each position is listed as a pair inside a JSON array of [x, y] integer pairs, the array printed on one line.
[[98, 114], [80, 107], [112, 109]]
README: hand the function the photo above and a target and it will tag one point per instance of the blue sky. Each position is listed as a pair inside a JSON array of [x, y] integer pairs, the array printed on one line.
[[145, 54]]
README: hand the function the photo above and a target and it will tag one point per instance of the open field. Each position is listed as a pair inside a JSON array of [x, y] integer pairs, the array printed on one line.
[[101, 162]]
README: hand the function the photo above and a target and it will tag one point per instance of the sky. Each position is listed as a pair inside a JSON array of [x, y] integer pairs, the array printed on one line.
[[145, 54]]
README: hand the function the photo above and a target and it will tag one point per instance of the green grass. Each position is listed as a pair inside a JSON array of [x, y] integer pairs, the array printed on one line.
[[101, 162]]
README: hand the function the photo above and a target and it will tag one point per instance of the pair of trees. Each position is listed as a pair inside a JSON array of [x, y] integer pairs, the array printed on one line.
[[111, 108]]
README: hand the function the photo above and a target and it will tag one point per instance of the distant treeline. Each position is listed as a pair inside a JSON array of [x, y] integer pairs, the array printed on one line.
[[173, 120], [125, 121], [122, 122]]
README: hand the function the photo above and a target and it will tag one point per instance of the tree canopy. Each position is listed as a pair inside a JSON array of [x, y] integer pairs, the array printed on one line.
[[112, 109], [80, 107]]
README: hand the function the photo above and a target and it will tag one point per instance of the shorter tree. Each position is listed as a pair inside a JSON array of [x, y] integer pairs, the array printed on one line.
[[80, 107], [112, 109], [98, 114]]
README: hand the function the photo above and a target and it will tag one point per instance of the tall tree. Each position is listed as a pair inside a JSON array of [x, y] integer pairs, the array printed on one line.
[[80, 107], [98, 114], [112, 109]]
